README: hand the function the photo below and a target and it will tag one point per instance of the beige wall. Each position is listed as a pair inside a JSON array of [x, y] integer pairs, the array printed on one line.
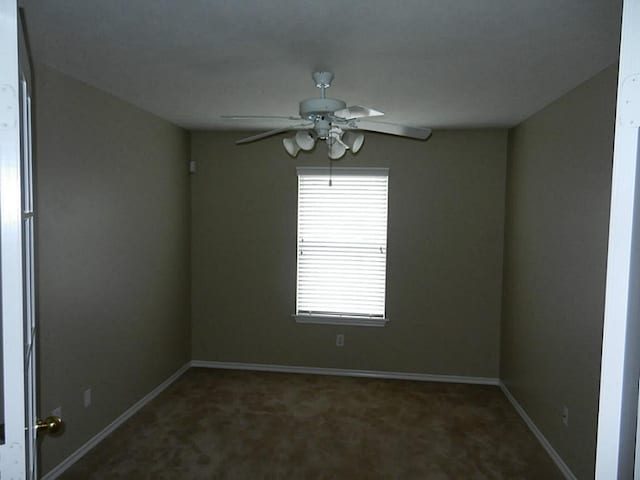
[[446, 199], [113, 255], [559, 182]]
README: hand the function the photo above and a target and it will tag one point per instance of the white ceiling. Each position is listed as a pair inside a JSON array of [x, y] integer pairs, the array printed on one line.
[[435, 63]]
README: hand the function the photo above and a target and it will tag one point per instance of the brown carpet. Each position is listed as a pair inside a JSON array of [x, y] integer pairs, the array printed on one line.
[[216, 424]]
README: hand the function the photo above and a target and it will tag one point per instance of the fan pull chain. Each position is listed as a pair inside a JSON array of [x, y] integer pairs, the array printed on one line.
[[330, 173]]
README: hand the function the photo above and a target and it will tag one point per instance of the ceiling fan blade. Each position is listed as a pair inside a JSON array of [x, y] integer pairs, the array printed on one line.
[[270, 133], [262, 135], [258, 117], [392, 129], [357, 111]]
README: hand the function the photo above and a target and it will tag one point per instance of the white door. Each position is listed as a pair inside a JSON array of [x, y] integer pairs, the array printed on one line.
[[28, 260], [18, 456], [619, 402]]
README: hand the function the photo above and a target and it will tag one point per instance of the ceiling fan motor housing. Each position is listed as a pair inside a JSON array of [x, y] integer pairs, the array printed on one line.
[[313, 108]]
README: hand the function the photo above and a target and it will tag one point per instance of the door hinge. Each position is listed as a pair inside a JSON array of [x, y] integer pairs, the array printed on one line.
[[14, 462], [8, 112], [630, 101]]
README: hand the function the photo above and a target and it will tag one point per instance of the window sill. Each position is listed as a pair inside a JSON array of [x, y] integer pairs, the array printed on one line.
[[341, 320]]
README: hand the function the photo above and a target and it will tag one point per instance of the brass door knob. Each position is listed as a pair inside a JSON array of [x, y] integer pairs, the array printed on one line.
[[50, 425]]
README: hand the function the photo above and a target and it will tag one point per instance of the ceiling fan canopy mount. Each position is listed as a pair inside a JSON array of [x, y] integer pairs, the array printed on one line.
[[323, 79]]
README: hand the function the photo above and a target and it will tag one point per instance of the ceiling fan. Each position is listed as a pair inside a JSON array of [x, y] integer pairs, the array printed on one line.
[[330, 119]]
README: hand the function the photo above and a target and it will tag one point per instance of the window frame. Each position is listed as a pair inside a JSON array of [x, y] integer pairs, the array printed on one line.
[[341, 318]]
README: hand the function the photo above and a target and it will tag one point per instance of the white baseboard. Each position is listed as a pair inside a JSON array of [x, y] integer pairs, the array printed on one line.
[[564, 468], [75, 456], [422, 377]]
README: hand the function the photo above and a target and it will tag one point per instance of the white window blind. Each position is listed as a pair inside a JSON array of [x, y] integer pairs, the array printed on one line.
[[342, 242]]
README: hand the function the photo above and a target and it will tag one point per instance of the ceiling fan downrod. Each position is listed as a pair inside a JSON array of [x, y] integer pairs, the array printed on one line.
[[323, 81]]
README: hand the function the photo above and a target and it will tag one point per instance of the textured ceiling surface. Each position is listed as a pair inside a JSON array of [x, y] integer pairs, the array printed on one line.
[[435, 63]]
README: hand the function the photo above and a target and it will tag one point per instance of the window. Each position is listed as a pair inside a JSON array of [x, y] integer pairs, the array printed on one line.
[[342, 245]]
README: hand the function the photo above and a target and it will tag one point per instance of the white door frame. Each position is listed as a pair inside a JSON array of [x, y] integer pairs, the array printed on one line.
[[13, 453], [617, 417]]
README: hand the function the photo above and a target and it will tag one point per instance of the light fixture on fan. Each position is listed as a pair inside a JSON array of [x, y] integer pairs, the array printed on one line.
[[353, 140], [336, 149], [338, 142], [302, 140], [330, 119], [306, 139], [291, 146]]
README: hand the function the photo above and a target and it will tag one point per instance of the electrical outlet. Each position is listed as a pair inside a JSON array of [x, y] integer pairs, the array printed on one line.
[[57, 412], [340, 340], [87, 397], [565, 415]]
